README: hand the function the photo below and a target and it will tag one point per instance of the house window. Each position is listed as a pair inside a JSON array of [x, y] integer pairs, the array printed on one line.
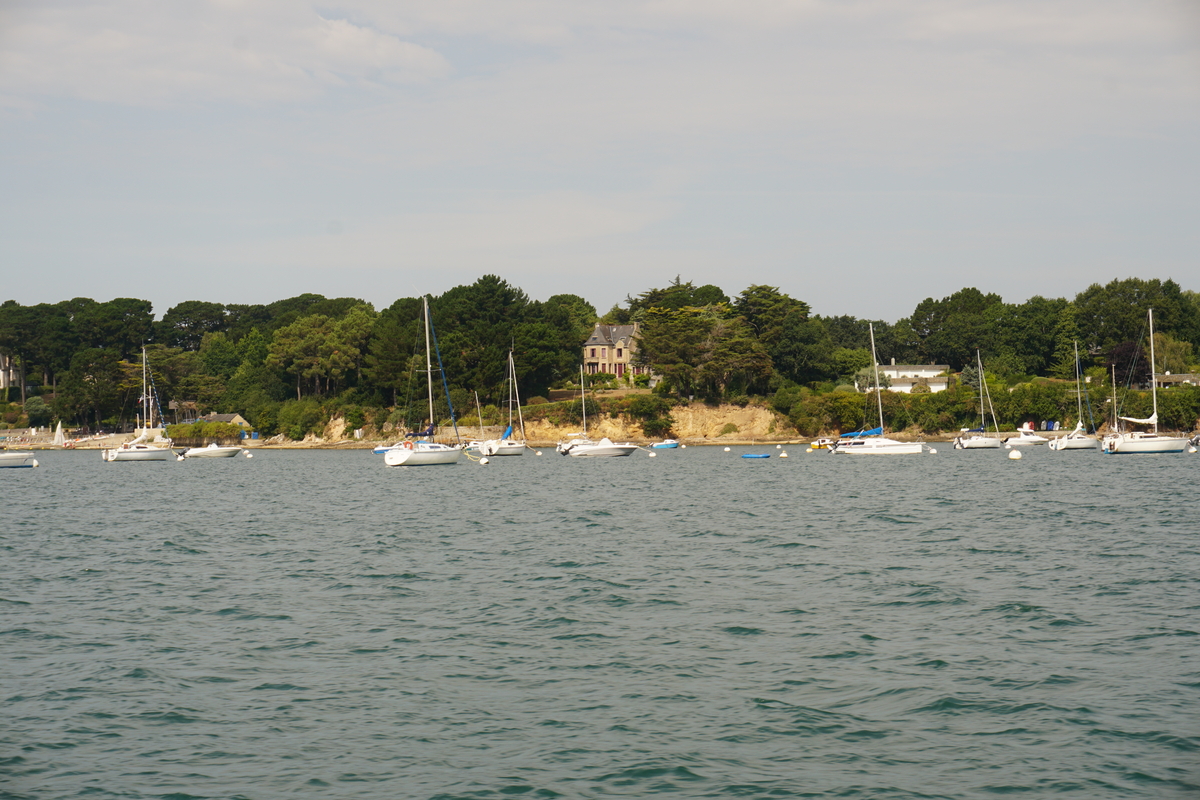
[[604, 352], [593, 352], [618, 352], [620, 369]]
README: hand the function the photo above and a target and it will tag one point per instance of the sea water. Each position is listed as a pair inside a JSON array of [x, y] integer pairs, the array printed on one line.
[[315, 624]]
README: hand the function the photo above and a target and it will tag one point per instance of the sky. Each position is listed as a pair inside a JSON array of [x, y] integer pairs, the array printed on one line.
[[860, 155]]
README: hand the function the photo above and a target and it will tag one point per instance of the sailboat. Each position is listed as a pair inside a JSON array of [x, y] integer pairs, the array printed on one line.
[[979, 439], [581, 446], [420, 450], [60, 439], [505, 445], [1145, 441], [141, 449], [1076, 439], [873, 441]]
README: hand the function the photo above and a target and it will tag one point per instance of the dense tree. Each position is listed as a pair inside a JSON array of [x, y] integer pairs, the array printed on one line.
[[185, 325], [804, 350], [1115, 313], [952, 328], [764, 309], [122, 325]]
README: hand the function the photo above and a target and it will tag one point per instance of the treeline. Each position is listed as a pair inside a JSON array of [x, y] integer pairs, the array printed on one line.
[[288, 366]]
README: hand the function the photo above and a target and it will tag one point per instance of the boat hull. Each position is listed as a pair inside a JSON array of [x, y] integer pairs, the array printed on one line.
[[582, 448], [1073, 443], [877, 447], [422, 455], [669, 444], [139, 453], [17, 460], [497, 447], [1143, 443], [977, 443], [212, 452]]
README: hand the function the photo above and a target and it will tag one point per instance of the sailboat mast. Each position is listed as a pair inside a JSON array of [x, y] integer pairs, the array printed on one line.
[[147, 406], [428, 362], [982, 409], [875, 365], [512, 372], [1153, 382], [1079, 387]]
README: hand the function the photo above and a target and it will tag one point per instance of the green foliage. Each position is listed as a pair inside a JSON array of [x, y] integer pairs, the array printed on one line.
[[38, 411], [728, 429], [648, 406], [211, 431], [657, 428], [299, 418]]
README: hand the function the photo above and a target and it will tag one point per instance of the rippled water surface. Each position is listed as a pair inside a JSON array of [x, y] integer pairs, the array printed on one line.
[[315, 624]]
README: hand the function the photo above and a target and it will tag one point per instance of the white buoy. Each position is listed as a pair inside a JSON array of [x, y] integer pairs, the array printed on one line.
[[809, 450], [931, 450], [1014, 455], [726, 449], [783, 455], [249, 454], [683, 447], [653, 454], [483, 461], [1191, 449], [778, 447]]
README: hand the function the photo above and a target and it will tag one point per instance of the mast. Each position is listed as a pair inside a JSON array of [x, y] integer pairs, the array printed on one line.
[[428, 363], [982, 408], [1079, 387], [147, 406], [1153, 382], [875, 365], [516, 393]]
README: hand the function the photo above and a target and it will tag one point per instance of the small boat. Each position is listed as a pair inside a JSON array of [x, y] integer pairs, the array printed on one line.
[[1144, 441], [505, 445], [665, 444], [979, 438], [15, 459], [1025, 436], [580, 446], [756, 455], [214, 450], [140, 449], [420, 450], [1076, 439], [873, 442], [824, 443]]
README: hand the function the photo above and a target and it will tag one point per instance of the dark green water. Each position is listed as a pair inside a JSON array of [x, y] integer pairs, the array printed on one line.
[[314, 624]]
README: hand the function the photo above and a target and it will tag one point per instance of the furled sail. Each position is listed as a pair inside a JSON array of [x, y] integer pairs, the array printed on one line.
[[1151, 420]]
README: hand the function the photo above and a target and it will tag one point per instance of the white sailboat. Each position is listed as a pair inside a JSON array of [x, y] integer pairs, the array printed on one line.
[[873, 442], [60, 439], [980, 440], [1076, 439], [141, 448], [505, 445], [1145, 441], [580, 446], [422, 450]]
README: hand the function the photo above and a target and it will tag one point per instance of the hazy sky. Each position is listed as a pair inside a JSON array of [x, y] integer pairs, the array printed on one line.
[[859, 154]]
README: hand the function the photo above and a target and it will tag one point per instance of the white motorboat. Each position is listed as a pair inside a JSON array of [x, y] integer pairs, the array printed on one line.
[[419, 450], [1144, 441], [665, 444], [214, 450], [873, 442], [1025, 436], [979, 438], [580, 446], [14, 458]]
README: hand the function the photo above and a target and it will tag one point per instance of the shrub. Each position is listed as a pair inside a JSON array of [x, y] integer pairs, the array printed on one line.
[[299, 418], [647, 406], [659, 427], [38, 412], [740, 400], [729, 428], [536, 401]]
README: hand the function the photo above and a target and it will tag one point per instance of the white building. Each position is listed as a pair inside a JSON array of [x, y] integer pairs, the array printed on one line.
[[903, 377]]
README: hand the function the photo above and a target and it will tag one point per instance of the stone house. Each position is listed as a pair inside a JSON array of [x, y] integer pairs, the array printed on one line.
[[610, 349]]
